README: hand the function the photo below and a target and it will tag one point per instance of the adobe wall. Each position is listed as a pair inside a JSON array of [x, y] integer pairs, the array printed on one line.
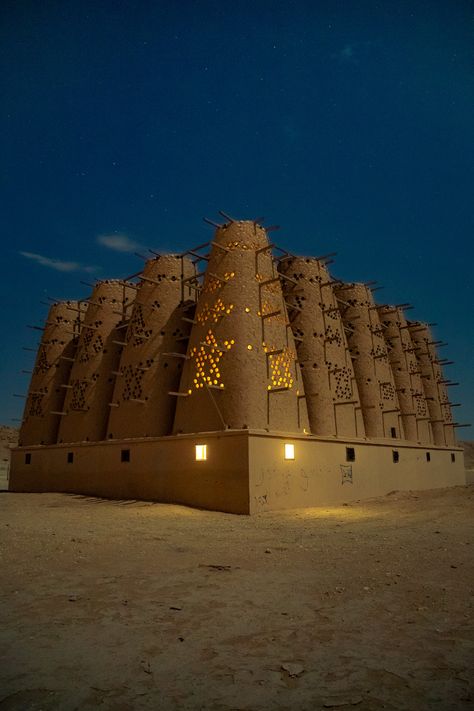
[[241, 369], [155, 344], [47, 389], [433, 383], [321, 475], [160, 469], [89, 391], [245, 472], [330, 386], [375, 381], [407, 375]]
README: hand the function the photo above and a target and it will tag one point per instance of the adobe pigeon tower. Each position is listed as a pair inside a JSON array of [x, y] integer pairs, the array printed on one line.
[[434, 384], [91, 382], [407, 375], [377, 389], [332, 395], [48, 383], [154, 347], [241, 370]]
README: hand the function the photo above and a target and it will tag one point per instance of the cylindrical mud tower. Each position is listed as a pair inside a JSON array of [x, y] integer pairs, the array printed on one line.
[[155, 347], [331, 390], [48, 383], [434, 384], [407, 375], [377, 390], [241, 369], [91, 383]]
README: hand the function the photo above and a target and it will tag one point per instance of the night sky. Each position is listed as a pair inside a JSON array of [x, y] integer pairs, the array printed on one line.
[[350, 124]]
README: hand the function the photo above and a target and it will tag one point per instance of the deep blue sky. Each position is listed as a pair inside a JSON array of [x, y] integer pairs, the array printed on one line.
[[350, 124]]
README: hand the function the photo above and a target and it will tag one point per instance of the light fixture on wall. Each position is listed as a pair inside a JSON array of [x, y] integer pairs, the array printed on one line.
[[201, 452], [289, 451]]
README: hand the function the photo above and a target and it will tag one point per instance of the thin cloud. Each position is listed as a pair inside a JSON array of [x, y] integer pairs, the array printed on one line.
[[58, 264], [119, 243]]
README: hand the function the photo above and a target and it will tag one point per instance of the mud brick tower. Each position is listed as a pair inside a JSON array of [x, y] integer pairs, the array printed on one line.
[[374, 376], [154, 349], [241, 370], [53, 364], [434, 384], [332, 395], [91, 381], [407, 375]]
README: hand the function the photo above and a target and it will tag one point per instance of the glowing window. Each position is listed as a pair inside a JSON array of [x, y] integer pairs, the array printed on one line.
[[289, 451], [201, 452]]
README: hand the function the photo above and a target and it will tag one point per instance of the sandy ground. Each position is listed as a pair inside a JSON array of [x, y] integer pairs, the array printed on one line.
[[132, 605]]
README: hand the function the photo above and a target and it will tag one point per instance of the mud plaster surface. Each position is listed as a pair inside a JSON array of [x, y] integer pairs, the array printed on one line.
[[131, 605]]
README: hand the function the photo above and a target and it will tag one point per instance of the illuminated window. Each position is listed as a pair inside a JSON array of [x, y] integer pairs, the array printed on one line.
[[289, 451], [201, 452]]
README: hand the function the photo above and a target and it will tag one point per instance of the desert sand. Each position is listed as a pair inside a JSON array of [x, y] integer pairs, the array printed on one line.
[[132, 605]]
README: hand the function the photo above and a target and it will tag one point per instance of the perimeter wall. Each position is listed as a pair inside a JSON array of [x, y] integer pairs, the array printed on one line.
[[245, 472]]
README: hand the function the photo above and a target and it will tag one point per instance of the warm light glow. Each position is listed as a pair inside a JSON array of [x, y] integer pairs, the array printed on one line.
[[289, 451], [249, 347], [201, 452]]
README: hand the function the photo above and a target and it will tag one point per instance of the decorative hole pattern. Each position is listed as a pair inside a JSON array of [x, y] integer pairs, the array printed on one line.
[[413, 367], [446, 413], [137, 332], [79, 392], [42, 365], [92, 344], [214, 313], [387, 391], [214, 284], [333, 335], [420, 404], [36, 405], [280, 366], [269, 308], [380, 352], [206, 359], [132, 377], [343, 380], [332, 312]]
